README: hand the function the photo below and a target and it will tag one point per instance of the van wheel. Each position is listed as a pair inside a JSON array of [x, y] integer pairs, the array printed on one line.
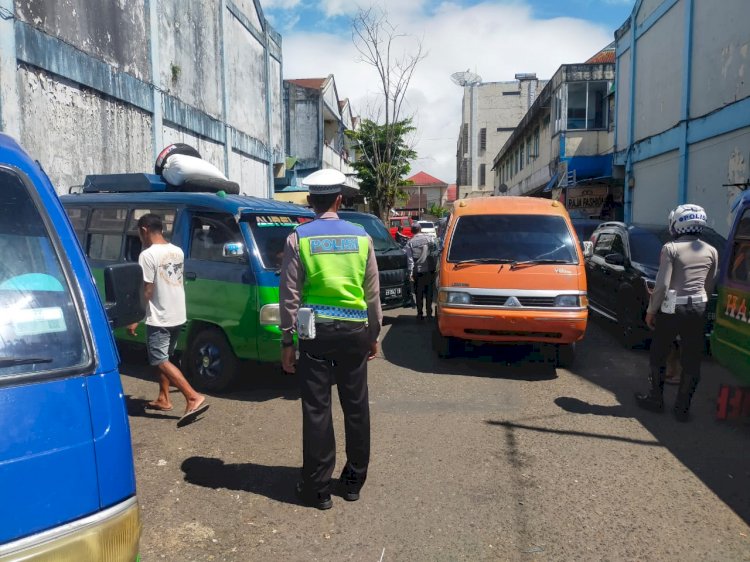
[[210, 362], [444, 346], [566, 355]]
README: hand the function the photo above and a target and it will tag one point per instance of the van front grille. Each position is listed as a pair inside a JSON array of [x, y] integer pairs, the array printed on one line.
[[499, 300]]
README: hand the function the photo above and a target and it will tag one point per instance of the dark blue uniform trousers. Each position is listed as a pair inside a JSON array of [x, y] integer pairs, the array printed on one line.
[[338, 355]]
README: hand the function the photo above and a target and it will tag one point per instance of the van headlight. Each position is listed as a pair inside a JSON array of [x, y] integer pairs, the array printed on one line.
[[455, 297], [269, 315], [568, 301]]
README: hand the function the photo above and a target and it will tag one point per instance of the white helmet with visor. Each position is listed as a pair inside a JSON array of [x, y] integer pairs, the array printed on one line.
[[687, 219]]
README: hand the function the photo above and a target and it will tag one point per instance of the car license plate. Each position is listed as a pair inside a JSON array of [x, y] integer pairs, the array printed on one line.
[[392, 293]]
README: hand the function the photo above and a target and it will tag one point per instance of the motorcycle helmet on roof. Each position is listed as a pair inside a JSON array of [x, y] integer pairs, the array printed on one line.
[[687, 219]]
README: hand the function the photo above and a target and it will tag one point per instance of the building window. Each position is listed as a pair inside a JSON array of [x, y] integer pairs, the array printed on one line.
[[587, 105], [482, 174], [558, 110], [465, 138], [483, 139], [528, 150], [521, 159], [536, 142]]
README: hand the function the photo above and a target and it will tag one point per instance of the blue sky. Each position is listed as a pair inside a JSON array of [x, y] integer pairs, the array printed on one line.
[[495, 38]]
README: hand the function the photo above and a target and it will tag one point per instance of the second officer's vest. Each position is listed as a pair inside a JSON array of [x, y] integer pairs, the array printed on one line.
[[334, 255]]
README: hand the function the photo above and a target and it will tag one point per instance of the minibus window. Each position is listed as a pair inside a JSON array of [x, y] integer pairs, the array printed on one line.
[[208, 234], [40, 330], [270, 233], [512, 238], [78, 217], [105, 233], [739, 264]]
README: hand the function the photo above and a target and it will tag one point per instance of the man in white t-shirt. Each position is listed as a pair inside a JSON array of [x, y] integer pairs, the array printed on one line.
[[163, 265]]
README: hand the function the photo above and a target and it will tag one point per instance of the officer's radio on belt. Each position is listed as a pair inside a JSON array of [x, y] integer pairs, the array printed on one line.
[[306, 323]]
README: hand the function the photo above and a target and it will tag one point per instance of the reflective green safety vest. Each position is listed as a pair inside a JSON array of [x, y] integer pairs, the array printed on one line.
[[334, 255]]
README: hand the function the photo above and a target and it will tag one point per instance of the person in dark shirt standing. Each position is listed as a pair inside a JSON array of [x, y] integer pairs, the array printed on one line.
[[421, 263]]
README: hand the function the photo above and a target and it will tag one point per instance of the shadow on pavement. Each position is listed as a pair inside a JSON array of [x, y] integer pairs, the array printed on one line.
[[257, 382], [408, 344], [274, 482], [715, 451], [137, 408]]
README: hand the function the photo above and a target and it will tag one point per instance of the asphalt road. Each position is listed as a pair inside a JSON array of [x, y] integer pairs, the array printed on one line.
[[488, 456]]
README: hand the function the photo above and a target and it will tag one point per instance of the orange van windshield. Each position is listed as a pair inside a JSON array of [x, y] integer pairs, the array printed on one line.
[[512, 238]]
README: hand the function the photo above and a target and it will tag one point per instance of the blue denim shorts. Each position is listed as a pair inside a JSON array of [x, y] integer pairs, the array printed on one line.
[[160, 343]]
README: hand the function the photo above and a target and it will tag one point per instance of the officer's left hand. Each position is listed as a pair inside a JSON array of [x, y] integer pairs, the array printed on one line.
[[651, 321], [288, 360], [373, 351]]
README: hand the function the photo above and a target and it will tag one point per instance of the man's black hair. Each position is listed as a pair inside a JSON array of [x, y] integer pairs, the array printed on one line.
[[151, 222], [416, 227], [322, 202]]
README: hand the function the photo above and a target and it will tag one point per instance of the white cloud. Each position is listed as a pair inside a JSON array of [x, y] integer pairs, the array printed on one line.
[[494, 40]]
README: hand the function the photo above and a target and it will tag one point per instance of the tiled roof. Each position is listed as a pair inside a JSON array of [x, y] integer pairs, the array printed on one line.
[[450, 194], [422, 178], [606, 56], [313, 83]]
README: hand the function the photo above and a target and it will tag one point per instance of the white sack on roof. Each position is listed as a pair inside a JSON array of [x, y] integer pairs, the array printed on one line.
[[179, 168]]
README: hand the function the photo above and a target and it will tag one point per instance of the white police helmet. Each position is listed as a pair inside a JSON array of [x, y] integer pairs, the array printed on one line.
[[687, 219]]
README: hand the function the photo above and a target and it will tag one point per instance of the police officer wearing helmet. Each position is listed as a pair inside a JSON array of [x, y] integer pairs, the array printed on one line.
[[687, 270], [329, 295]]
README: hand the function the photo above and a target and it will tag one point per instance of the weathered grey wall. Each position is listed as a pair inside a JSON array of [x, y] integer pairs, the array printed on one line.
[[112, 31], [101, 86]]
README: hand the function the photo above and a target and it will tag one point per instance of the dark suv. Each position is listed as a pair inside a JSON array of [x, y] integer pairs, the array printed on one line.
[[622, 271], [394, 280]]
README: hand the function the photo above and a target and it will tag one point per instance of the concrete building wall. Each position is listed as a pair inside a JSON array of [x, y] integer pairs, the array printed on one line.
[[585, 143], [187, 27], [721, 64], [657, 190], [94, 135], [692, 107], [716, 162], [101, 86], [659, 63], [112, 31]]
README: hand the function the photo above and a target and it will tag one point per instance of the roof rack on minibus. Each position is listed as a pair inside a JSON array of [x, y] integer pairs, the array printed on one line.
[[125, 183]]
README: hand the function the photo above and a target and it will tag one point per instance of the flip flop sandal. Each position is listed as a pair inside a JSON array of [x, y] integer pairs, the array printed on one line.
[[157, 408], [192, 415]]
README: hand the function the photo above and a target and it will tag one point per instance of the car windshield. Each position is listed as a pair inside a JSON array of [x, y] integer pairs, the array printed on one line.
[[270, 233], [40, 328], [512, 238], [381, 238], [425, 224], [645, 245]]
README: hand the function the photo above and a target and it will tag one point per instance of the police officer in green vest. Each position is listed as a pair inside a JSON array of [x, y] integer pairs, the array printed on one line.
[[329, 295]]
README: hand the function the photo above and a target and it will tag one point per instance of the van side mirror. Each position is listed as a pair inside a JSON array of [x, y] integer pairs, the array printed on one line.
[[588, 249], [123, 290], [614, 259]]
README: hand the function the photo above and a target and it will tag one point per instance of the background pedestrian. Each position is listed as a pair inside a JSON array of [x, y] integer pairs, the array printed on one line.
[[421, 264], [163, 265]]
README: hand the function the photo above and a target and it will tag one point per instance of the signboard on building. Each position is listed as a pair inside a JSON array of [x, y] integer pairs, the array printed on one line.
[[587, 201]]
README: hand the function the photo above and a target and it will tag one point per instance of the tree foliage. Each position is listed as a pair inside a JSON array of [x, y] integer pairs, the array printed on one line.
[[382, 139], [381, 178], [437, 210]]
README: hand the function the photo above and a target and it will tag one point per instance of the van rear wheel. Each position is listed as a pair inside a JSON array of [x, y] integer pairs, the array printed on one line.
[[210, 362]]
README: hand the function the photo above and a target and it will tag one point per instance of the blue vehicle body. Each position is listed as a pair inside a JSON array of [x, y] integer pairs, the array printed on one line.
[[65, 450]]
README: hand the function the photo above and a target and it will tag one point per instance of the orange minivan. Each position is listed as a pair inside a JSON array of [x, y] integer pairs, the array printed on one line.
[[511, 271]]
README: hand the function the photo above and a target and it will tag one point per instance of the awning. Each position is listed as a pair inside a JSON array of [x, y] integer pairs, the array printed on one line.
[[552, 183]]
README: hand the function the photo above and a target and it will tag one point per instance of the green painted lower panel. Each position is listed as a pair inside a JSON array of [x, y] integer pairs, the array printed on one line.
[[730, 341]]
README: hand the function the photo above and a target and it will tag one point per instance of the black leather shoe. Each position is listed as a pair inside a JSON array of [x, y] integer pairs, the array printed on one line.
[[313, 499], [349, 495], [649, 402]]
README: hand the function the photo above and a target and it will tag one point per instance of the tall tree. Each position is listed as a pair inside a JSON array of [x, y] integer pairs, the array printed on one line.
[[380, 180], [383, 144]]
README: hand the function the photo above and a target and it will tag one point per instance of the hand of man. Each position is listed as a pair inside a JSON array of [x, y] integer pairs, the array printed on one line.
[[373, 351], [132, 328], [289, 360], [651, 321]]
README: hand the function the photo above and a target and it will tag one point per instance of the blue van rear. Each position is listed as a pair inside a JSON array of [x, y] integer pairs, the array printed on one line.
[[67, 482]]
